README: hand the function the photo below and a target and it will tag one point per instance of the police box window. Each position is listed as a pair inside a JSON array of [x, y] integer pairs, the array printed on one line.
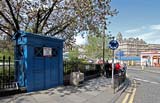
[[38, 51], [54, 52], [45, 52]]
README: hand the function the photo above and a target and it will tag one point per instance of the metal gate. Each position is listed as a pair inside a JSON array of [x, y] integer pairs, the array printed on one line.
[[9, 83], [7, 74]]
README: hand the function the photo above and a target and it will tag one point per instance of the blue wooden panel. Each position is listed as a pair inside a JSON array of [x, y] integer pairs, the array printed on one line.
[[38, 81], [38, 64], [51, 77], [38, 73], [48, 72]]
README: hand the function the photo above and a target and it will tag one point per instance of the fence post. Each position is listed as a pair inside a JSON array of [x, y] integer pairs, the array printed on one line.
[[3, 71], [9, 61]]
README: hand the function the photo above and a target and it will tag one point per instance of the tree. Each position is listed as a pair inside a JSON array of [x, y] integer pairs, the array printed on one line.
[[58, 18], [94, 47], [73, 54], [6, 48]]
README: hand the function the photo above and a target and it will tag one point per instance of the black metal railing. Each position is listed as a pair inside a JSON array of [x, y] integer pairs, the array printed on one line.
[[90, 70], [119, 79], [7, 73]]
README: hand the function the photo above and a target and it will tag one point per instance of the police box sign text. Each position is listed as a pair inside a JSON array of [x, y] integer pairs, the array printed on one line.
[[47, 51]]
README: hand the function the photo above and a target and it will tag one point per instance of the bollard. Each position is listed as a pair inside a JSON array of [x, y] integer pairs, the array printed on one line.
[[142, 67]]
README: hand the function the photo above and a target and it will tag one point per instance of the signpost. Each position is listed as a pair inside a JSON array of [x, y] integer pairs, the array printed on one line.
[[113, 44]]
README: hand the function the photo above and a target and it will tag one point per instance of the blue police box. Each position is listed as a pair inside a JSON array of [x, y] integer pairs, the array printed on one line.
[[40, 61]]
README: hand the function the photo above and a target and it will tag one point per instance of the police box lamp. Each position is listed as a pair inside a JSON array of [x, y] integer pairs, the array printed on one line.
[[113, 44]]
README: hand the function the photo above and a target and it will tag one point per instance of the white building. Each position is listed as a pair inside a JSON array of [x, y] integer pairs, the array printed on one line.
[[150, 58]]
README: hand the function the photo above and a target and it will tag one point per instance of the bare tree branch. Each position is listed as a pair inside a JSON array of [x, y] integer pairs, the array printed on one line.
[[8, 21], [55, 27], [3, 26], [37, 23], [45, 18], [13, 15], [19, 5], [62, 29], [27, 25], [5, 32]]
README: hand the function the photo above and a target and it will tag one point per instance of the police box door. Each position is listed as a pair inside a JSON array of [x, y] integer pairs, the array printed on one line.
[[45, 69]]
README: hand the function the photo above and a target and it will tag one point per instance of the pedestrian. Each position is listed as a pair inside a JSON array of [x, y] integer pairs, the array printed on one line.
[[117, 68], [124, 69], [146, 64], [124, 66], [107, 69]]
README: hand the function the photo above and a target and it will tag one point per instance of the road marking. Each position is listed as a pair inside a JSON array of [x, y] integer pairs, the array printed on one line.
[[147, 81], [128, 92], [133, 93], [126, 98]]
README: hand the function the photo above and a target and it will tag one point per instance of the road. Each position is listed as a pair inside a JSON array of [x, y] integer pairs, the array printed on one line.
[[144, 86]]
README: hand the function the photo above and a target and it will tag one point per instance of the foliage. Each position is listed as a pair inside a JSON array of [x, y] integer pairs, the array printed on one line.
[[6, 54], [94, 47], [73, 54], [58, 18], [87, 69], [6, 49], [72, 64]]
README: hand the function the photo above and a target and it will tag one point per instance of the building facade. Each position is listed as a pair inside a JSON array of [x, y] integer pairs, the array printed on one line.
[[134, 46], [150, 59]]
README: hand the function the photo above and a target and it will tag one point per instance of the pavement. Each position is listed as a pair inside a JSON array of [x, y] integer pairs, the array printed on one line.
[[97, 90]]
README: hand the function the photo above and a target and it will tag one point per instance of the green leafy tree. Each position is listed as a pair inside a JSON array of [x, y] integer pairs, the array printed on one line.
[[73, 54], [94, 47], [6, 47]]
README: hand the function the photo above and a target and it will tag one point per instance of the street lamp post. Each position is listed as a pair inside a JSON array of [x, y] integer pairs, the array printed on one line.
[[103, 49], [103, 52]]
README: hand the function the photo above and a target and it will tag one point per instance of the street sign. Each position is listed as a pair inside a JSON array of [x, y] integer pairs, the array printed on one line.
[[120, 54], [113, 44]]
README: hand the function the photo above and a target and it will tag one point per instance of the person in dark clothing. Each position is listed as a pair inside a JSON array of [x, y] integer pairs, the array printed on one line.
[[124, 69], [107, 69], [110, 69]]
